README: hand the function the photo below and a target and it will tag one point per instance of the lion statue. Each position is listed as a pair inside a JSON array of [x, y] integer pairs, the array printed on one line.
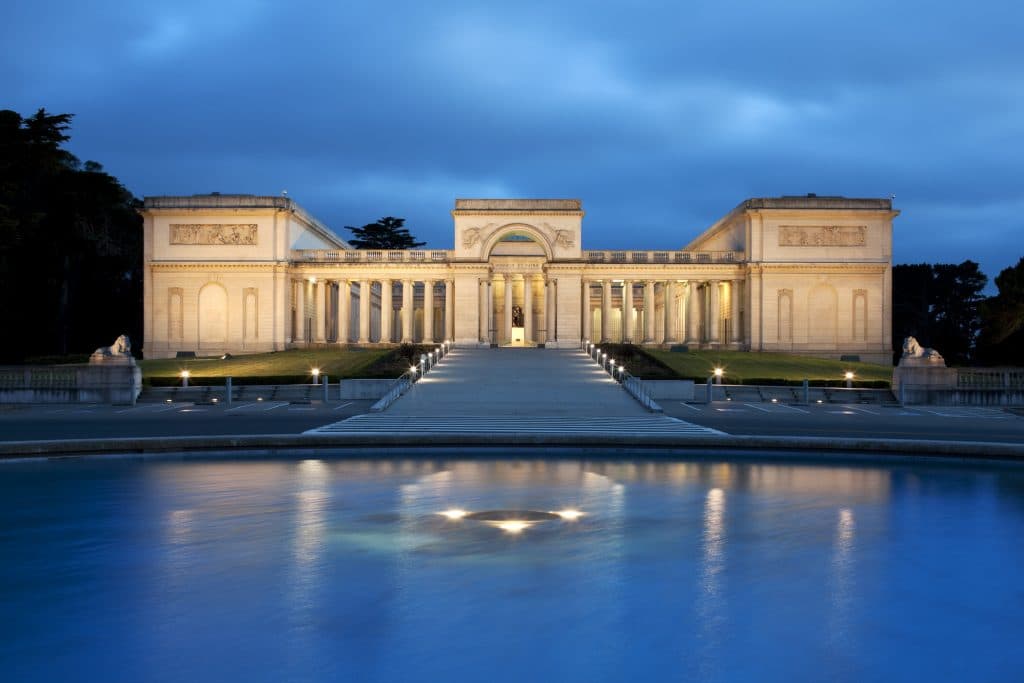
[[120, 350], [913, 351]]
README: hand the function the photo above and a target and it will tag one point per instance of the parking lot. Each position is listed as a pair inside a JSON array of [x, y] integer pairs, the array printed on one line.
[[283, 417], [853, 420]]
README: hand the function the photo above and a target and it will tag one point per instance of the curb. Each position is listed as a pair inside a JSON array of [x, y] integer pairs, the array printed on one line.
[[598, 442]]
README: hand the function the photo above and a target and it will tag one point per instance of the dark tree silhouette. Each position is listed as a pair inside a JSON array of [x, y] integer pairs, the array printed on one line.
[[1002, 337], [70, 244], [940, 305], [387, 233]]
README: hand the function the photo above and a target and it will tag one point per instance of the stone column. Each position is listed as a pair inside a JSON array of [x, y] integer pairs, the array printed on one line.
[[508, 309], [627, 312], [482, 329], [489, 326], [300, 312], [428, 311], [649, 312], [320, 311], [364, 311], [693, 314], [606, 311], [387, 310], [344, 300], [549, 312], [449, 310], [735, 333], [528, 308], [587, 316], [714, 312], [668, 292], [407, 305]]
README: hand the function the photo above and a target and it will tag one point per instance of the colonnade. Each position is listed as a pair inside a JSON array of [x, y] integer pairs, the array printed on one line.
[[368, 311], [540, 322], [663, 311]]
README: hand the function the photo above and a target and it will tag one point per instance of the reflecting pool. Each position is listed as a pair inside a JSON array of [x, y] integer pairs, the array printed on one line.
[[509, 570]]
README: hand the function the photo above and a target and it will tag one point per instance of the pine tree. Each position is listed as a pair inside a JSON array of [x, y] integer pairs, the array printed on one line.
[[386, 233]]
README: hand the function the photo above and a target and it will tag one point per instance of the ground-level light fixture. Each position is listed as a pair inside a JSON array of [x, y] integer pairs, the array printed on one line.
[[569, 514], [316, 373], [454, 513], [185, 374], [849, 379]]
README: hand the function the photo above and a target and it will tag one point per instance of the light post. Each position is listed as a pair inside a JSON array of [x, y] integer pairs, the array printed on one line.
[[718, 375], [849, 379], [316, 375], [185, 374]]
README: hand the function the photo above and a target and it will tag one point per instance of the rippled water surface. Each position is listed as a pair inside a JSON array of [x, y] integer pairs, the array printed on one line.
[[345, 570]]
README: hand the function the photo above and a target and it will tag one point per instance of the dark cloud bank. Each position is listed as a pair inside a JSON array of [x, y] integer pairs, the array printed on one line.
[[660, 116]]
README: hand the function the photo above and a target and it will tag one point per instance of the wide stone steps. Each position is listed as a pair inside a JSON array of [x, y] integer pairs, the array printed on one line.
[[383, 423]]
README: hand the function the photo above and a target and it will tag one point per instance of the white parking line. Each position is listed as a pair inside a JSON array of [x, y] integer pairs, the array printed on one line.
[[751, 405], [343, 405], [799, 410], [863, 410]]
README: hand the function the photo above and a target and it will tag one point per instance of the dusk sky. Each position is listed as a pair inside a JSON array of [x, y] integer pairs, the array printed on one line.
[[661, 117]]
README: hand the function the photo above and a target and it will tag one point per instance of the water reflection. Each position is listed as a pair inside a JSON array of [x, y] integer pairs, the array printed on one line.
[[711, 604], [286, 570]]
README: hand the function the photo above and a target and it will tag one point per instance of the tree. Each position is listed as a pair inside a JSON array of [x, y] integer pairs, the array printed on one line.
[[387, 233], [940, 305], [1003, 317], [70, 244]]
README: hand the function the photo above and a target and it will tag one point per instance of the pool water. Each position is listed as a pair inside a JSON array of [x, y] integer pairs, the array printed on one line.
[[301, 570]]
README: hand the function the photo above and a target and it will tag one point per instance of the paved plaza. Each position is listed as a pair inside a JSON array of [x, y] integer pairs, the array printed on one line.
[[499, 390]]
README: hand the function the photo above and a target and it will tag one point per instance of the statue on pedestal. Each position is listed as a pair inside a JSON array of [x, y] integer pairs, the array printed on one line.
[[118, 352], [915, 354], [517, 317]]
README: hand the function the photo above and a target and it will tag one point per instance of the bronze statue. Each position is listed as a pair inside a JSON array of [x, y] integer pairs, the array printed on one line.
[[517, 317]]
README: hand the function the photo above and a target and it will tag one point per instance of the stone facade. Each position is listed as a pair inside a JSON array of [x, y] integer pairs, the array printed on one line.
[[243, 274]]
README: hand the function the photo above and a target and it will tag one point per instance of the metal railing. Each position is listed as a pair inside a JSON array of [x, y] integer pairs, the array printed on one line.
[[664, 256], [633, 385], [408, 378], [371, 255]]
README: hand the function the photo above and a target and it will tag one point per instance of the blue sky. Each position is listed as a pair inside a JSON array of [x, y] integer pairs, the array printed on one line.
[[660, 116]]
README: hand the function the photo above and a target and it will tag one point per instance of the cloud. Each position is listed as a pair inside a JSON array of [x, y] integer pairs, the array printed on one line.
[[661, 117]]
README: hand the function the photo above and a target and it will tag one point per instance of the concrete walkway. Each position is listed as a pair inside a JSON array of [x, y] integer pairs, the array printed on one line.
[[516, 382]]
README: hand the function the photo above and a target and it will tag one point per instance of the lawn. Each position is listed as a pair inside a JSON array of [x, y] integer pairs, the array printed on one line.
[[769, 368], [276, 368]]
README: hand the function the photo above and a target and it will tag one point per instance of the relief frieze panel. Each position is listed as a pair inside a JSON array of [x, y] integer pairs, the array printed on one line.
[[823, 236], [213, 233]]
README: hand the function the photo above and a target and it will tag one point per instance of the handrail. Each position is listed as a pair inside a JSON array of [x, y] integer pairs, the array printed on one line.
[[371, 255], [408, 378], [633, 385], [610, 256]]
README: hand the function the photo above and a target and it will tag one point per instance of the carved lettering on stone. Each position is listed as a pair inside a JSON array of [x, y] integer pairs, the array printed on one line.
[[823, 236], [213, 233]]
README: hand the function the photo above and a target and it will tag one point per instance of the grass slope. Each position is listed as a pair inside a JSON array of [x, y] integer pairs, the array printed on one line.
[[769, 368], [280, 367]]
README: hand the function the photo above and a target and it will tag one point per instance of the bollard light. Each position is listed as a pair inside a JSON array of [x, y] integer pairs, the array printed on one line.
[[185, 374], [849, 379]]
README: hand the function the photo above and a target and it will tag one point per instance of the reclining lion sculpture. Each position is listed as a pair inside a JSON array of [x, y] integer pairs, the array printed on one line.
[[917, 354], [119, 351]]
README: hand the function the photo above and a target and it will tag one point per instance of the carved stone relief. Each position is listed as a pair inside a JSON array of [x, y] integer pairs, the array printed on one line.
[[823, 236], [213, 233], [471, 236]]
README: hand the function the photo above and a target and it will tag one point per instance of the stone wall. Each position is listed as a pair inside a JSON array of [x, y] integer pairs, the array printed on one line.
[[116, 384]]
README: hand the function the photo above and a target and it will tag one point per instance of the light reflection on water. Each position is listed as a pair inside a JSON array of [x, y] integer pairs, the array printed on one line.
[[313, 569]]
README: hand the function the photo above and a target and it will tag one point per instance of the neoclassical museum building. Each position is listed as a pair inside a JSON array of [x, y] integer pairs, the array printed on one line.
[[245, 274]]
